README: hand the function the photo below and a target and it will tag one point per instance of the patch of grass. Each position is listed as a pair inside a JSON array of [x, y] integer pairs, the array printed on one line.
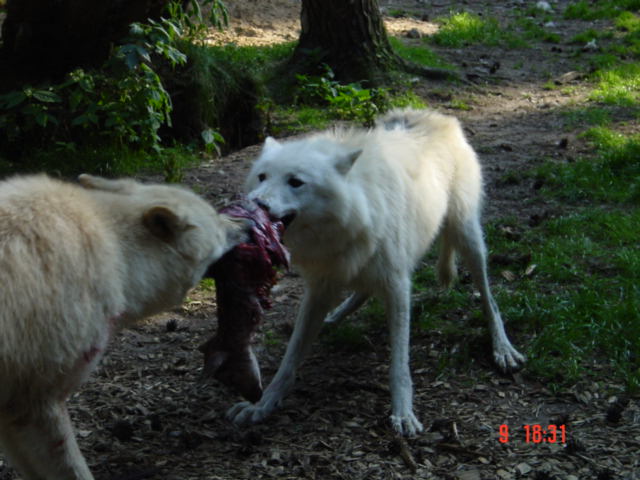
[[531, 30], [628, 22], [618, 86], [612, 176], [406, 99], [629, 45], [398, 13], [459, 104], [421, 55], [604, 61], [590, 115], [582, 303], [588, 35], [464, 28], [299, 119], [207, 285], [586, 10]]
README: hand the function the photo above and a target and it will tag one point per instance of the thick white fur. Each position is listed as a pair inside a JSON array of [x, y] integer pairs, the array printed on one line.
[[367, 206], [76, 264]]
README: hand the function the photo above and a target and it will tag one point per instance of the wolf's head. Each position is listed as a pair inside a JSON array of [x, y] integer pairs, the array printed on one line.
[[303, 182], [170, 236]]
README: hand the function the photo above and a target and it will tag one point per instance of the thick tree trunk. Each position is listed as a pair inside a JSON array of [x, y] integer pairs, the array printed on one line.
[[42, 40], [347, 35]]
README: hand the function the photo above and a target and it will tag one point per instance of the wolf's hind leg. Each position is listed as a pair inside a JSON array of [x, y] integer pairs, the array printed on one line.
[[346, 308], [473, 250]]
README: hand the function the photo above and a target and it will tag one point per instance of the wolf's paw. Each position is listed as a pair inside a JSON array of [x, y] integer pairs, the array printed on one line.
[[406, 425], [247, 413], [508, 358]]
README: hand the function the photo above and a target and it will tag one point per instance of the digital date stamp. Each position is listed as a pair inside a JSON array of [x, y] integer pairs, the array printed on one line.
[[534, 434]]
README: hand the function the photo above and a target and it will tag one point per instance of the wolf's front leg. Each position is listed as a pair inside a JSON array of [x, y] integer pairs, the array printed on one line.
[[41, 444], [398, 305], [315, 305]]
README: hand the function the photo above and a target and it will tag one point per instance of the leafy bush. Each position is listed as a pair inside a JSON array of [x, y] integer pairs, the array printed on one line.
[[347, 102], [122, 105]]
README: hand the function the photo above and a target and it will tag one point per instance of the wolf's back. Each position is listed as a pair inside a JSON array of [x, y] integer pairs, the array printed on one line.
[[416, 121]]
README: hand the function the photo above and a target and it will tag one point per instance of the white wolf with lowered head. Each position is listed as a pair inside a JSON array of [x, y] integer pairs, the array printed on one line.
[[77, 264], [361, 208]]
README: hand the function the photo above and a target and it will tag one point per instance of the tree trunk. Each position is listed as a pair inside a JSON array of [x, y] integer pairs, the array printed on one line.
[[347, 35], [43, 40]]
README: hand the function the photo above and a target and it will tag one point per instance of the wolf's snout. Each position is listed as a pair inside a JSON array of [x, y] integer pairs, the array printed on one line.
[[262, 204]]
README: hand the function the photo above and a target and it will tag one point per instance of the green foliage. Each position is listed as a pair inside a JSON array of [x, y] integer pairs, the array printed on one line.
[[121, 107], [173, 162], [348, 102], [118, 107], [192, 19]]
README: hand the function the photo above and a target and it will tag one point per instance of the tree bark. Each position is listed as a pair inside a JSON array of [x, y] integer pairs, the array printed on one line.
[[347, 35], [42, 40]]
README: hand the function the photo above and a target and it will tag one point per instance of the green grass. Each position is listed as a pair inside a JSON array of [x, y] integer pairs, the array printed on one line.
[[613, 176], [464, 28], [421, 55], [530, 30], [586, 36], [581, 306], [619, 85], [586, 10], [590, 115]]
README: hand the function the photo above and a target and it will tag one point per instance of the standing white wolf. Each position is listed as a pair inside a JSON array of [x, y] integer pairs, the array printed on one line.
[[361, 209], [76, 264]]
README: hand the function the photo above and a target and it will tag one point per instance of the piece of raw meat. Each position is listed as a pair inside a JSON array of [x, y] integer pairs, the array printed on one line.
[[244, 277]]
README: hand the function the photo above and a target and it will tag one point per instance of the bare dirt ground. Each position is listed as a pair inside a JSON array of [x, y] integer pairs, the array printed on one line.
[[147, 414]]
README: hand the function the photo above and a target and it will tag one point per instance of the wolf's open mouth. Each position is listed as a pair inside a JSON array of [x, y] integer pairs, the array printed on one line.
[[287, 219]]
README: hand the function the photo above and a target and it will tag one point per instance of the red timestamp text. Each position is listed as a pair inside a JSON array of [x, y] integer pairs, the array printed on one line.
[[534, 433]]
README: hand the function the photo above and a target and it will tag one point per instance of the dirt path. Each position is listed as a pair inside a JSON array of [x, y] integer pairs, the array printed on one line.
[[146, 413]]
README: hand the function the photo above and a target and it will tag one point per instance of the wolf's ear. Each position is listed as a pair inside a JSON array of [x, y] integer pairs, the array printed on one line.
[[164, 223], [271, 144], [99, 183], [345, 162]]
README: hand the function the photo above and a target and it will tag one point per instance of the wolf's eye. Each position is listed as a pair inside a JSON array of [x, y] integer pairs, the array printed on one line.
[[295, 182], [262, 177]]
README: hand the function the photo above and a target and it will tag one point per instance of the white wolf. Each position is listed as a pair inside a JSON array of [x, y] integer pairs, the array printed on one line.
[[361, 209], [76, 264]]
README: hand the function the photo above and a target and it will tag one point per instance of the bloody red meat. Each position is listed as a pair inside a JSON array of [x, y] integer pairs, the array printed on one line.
[[244, 277]]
